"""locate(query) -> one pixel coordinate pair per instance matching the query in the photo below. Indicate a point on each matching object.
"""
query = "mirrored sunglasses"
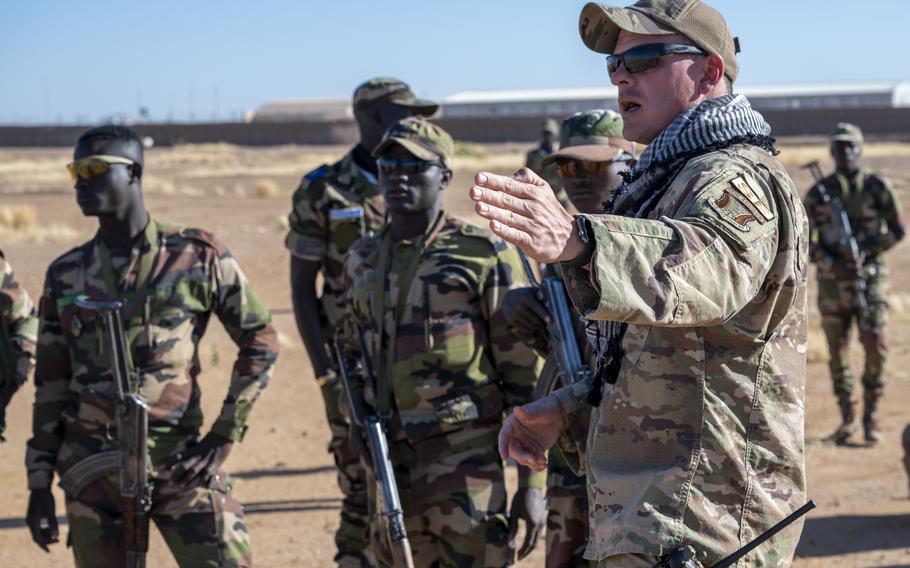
(95, 165)
(405, 165)
(648, 56)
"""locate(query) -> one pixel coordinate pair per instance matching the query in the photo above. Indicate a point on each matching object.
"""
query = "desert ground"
(282, 472)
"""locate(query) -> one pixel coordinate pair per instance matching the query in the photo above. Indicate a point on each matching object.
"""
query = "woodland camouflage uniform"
(451, 372)
(192, 276)
(17, 338)
(875, 219)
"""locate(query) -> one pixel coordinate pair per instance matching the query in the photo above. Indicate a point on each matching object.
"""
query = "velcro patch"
(733, 208)
(346, 213)
(753, 201)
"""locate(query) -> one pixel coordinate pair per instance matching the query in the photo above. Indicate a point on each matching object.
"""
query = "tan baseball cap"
(591, 135)
(600, 25)
(394, 91)
(421, 138)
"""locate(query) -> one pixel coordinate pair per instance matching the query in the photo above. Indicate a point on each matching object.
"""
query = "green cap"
(550, 125)
(420, 137)
(600, 25)
(844, 131)
(394, 91)
(591, 135)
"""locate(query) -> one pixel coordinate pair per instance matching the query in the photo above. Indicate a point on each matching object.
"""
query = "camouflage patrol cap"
(600, 25)
(550, 125)
(846, 132)
(394, 91)
(591, 135)
(420, 137)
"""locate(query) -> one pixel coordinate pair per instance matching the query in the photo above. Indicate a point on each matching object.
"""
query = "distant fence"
(884, 122)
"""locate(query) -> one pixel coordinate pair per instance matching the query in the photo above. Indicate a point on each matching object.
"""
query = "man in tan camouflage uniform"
(17, 337)
(874, 216)
(701, 266)
(427, 293)
(334, 206)
(592, 153)
(534, 160)
(172, 280)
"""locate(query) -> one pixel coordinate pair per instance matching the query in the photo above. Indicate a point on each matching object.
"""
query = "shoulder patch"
(743, 187)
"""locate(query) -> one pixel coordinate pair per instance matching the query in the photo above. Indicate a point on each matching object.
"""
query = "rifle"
(132, 434)
(844, 241)
(373, 428)
(685, 556)
(551, 291)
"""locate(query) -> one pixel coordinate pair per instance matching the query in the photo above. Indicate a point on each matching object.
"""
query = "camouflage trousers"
(352, 539)
(453, 495)
(202, 526)
(567, 516)
(837, 306)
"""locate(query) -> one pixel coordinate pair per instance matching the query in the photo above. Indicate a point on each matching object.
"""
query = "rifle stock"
(373, 429)
(132, 433)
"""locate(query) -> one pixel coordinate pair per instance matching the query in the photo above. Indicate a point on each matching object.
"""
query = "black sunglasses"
(405, 165)
(644, 57)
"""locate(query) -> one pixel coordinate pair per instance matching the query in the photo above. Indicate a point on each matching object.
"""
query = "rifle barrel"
(736, 556)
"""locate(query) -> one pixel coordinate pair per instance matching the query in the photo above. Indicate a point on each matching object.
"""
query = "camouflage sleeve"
(20, 319)
(696, 270)
(248, 322)
(52, 393)
(516, 364)
(308, 233)
(892, 217)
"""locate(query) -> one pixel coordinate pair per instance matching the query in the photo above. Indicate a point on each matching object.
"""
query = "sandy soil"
(282, 472)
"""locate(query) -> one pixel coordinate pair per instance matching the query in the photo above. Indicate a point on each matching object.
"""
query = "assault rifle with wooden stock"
(372, 426)
(131, 456)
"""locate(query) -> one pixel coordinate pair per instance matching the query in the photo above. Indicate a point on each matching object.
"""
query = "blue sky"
(68, 60)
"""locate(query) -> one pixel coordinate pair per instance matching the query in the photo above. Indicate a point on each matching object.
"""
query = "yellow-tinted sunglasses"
(569, 168)
(94, 165)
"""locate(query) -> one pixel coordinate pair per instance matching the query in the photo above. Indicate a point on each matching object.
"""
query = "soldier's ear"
(446, 178)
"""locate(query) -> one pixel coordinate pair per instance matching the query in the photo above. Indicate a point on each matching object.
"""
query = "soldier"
(534, 159)
(701, 264)
(17, 337)
(334, 206)
(173, 280)
(874, 216)
(427, 293)
(591, 156)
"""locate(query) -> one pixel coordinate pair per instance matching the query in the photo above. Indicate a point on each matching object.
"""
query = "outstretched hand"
(523, 210)
(530, 430)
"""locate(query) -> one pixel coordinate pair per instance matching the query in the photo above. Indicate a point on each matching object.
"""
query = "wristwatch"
(586, 236)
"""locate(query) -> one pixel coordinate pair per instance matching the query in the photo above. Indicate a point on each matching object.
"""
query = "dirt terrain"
(281, 471)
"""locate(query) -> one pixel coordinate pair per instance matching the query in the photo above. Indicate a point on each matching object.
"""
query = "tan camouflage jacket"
(455, 361)
(700, 440)
(193, 277)
(333, 207)
(875, 218)
(21, 324)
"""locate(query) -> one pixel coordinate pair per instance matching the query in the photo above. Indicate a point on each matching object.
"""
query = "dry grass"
(267, 189)
(799, 155)
(20, 223)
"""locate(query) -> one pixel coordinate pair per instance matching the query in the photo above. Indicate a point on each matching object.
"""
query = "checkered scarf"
(712, 124)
